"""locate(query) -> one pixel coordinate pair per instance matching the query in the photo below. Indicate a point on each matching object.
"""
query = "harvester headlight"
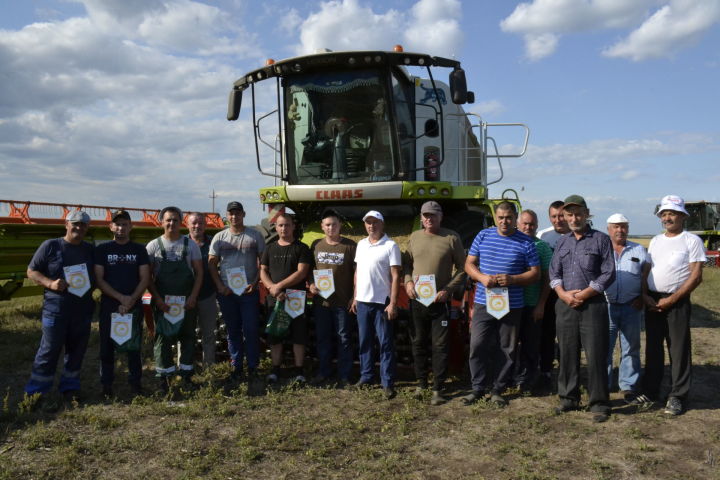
(249, 79)
(276, 196)
(262, 197)
(259, 75)
(368, 59)
(378, 58)
(433, 190)
(421, 191)
(351, 60)
(445, 192)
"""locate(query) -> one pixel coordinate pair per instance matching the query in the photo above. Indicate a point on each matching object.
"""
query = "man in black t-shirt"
(285, 265)
(64, 266)
(122, 271)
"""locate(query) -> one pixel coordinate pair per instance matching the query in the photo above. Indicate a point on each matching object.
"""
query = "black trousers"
(493, 349)
(547, 334)
(587, 325)
(530, 331)
(672, 327)
(430, 327)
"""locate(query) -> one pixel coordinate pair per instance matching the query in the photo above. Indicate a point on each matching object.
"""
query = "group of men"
(571, 282)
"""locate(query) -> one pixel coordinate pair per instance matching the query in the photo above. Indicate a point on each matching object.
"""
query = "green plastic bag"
(278, 323)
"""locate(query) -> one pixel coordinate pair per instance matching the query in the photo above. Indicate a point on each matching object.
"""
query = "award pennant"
(497, 301)
(425, 289)
(294, 302)
(325, 282)
(77, 279)
(237, 280)
(121, 327)
(177, 308)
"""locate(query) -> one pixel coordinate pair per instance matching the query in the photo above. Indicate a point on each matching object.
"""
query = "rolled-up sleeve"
(556, 267)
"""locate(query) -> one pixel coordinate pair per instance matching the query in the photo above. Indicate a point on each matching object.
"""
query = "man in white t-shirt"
(377, 281)
(677, 258)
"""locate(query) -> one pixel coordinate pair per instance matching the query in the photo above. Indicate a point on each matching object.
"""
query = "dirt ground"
(331, 433)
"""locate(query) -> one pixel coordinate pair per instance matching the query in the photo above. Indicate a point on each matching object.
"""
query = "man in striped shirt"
(502, 260)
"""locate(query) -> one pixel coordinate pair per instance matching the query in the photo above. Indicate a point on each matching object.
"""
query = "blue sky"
(123, 103)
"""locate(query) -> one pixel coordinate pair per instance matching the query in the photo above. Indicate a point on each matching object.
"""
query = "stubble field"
(312, 432)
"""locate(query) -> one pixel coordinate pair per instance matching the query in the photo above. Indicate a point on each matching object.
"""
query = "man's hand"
(391, 311)
(637, 304)
(161, 305)
(503, 280)
(58, 285)
(568, 296)
(490, 281)
(313, 289)
(538, 313)
(665, 303)
(275, 290)
(126, 304)
(250, 288)
(442, 296)
(650, 303)
(410, 290)
(353, 306)
(191, 302)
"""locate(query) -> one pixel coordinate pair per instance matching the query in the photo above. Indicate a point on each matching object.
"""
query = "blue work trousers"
(625, 321)
(71, 332)
(332, 331)
(241, 315)
(372, 323)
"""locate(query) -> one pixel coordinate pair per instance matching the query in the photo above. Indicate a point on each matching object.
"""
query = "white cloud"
(669, 30)
(489, 108)
(676, 25)
(431, 26)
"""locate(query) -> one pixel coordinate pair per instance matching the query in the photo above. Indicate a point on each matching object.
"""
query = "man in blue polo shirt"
(502, 260)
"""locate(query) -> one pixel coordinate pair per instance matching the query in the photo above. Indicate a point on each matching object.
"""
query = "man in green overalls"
(177, 274)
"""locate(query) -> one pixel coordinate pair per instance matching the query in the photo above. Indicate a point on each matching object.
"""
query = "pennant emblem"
(325, 282)
(294, 302)
(498, 301)
(425, 289)
(77, 279)
(237, 280)
(121, 327)
(177, 308)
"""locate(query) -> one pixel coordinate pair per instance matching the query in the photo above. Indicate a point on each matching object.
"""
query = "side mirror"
(458, 86)
(234, 103)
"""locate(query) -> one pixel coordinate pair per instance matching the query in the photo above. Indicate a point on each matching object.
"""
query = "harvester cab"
(355, 131)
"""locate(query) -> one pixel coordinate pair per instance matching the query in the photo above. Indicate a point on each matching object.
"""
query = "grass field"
(329, 433)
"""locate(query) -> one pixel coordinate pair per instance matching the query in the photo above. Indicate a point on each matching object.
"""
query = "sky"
(123, 103)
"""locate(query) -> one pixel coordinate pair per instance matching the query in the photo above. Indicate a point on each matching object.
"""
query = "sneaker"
(300, 380)
(437, 398)
(418, 395)
(632, 398)
(362, 384)
(389, 392)
(472, 397)
(272, 378)
(566, 406)
(674, 406)
(498, 400)
(601, 417)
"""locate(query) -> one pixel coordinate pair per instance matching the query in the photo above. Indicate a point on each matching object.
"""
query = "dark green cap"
(575, 200)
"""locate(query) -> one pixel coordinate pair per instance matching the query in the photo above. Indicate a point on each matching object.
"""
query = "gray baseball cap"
(78, 216)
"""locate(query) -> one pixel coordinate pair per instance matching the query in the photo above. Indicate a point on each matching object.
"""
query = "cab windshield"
(338, 128)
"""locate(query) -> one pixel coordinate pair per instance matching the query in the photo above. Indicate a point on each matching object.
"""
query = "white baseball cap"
(672, 202)
(617, 218)
(374, 214)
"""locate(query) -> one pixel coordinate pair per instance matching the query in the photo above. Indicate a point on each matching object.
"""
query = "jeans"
(69, 331)
(493, 348)
(625, 320)
(372, 323)
(241, 314)
(332, 329)
(430, 324)
(587, 324)
(107, 351)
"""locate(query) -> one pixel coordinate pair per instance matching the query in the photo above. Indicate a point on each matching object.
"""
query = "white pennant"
(325, 282)
(77, 279)
(121, 327)
(237, 280)
(425, 289)
(177, 308)
(497, 301)
(294, 302)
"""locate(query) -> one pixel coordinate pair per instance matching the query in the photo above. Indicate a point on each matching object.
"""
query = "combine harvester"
(25, 225)
(355, 131)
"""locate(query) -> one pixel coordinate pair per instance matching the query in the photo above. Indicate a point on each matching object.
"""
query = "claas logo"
(339, 194)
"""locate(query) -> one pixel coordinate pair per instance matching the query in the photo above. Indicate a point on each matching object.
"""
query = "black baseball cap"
(235, 206)
(120, 214)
